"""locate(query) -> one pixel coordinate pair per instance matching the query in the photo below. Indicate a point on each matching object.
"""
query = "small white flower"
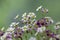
(24, 15)
(38, 8)
(58, 36)
(10, 29)
(32, 15)
(28, 15)
(32, 38)
(24, 19)
(49, 19)
(13, 24)
(44, 10)
(57, 26)
(41, 30)
(24, 28)
(16, 16)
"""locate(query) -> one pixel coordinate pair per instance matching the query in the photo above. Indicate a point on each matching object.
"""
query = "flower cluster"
(37, 29)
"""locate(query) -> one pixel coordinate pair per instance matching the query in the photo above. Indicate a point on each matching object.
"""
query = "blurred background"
(10, 8)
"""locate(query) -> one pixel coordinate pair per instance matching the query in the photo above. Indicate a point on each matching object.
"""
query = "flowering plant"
(33, 29)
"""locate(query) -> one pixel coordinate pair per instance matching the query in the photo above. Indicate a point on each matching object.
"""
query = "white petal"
(24, 14)
(16, 17)
(39, 30)
(48, 17)
(38, 8)
(43, 28)
(56, 27)
(51, 39)
(57, 23)
(36, 33)
(12, 24)
(58, 36)
(10, 29)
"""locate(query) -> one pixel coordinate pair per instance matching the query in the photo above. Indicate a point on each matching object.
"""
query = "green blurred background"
(10, 8)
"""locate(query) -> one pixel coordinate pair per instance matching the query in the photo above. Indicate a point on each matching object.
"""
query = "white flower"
(49, 19)
(57, 26)
(16, 16)
(41, 30)
(24, 28)
(32, 15)
(38, 8)
(10, 29)
(58, 36)
(44, 10)
(13, 24)
(32, 38)
(24, 15)
(24, 19)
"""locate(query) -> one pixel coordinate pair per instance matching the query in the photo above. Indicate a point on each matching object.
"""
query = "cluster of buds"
(28, 18)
